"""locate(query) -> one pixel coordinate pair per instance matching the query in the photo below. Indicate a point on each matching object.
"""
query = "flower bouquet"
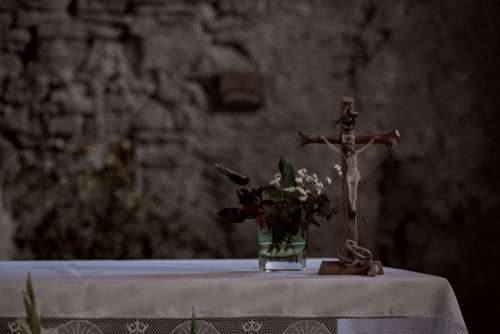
(283, 211)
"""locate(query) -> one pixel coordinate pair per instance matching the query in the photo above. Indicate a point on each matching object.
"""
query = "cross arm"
(390, 138)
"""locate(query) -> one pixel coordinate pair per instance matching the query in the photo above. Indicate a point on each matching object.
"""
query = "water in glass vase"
(289, 256)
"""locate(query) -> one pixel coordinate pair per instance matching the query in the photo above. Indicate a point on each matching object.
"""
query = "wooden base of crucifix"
(353, 259)
(339, 268)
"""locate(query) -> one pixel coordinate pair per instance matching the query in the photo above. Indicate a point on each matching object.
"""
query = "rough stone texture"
(110, 121)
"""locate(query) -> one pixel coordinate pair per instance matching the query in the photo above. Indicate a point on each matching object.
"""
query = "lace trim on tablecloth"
(259, 325)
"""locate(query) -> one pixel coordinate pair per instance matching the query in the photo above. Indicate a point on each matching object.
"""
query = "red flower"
(261, 220)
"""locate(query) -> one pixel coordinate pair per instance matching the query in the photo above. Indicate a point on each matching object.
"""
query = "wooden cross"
(351, 176)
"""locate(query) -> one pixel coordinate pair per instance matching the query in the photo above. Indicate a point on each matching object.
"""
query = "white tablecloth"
(230, 289)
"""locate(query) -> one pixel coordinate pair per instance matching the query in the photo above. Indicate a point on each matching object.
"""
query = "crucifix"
(353, 259)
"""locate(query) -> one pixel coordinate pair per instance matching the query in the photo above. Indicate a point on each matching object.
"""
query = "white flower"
(301, 191)
(276, 180)
(328, 180)
(298, 180)
(275, 183)
(319, 185)
(302, 172)
(290, 189)
(315, 177)
(303, 198)
(338, 169)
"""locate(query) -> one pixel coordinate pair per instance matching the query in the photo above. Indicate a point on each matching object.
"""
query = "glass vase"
(286, 256)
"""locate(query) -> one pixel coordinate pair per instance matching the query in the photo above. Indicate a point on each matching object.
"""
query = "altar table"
(228, 297)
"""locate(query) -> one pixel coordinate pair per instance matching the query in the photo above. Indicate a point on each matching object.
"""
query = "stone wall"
(113, 112)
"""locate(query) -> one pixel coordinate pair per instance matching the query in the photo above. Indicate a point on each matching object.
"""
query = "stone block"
(5, 22)
(15, 39)
(101, 6)
(10, 66)
(169, 90)
(66, 126)
(175, 52)
(8, 5)
(61, 58)
(61, 27)
(240, 90)
(7, 247)
(26, 19)
(228, 59)
(242, 7)
(155, 117)
(104, 32)
(231, 80)
(159, 137)
(73, 99)
(15, 119)
(177, 15)
(235, 31)
(105, 18)
(46, 5)
(158, 156)
(22, 129)
(206, 13)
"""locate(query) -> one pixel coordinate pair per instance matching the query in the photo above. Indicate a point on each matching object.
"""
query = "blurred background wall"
(113, 112)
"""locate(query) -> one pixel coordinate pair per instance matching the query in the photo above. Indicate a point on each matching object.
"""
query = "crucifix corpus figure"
(353, 259)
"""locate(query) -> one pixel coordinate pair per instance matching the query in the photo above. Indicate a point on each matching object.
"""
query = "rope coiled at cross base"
(353, 255)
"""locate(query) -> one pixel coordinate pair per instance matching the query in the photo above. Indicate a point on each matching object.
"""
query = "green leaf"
(271, 212)
(24, 327)
(29, 312)
(32, 308)
(36, 317)
(193, 322)
(287, 174)
(232, 215)
(29, 288)
(237, 178)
